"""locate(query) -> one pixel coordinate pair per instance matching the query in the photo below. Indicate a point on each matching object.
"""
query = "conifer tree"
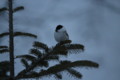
(6, 66)
(40, 55)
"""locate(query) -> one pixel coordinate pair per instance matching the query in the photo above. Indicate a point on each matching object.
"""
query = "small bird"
(61, 34)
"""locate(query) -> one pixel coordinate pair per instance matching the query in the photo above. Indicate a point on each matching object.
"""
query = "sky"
(93, 23)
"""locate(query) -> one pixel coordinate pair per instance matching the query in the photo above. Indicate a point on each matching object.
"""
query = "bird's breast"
(60, 36)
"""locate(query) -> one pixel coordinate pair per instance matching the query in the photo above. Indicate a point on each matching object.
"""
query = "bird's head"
(60, 28)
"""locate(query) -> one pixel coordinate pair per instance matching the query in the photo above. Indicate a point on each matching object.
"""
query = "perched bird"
(61, 34)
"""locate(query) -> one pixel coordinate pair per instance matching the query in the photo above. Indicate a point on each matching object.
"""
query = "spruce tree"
(40, 55)
(8, 66)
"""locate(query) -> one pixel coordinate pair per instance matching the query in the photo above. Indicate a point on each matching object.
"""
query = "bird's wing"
(66, 33)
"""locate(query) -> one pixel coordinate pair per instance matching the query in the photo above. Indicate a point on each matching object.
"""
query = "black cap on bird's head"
(58, 27)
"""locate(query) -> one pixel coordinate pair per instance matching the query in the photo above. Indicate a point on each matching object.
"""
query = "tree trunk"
(11, 39)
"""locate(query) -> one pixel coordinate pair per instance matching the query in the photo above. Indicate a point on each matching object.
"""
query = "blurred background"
(93, 23)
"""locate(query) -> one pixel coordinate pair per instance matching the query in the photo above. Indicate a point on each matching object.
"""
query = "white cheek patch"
(62, 29)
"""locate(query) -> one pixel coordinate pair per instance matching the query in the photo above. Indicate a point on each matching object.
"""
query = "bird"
(60, 34)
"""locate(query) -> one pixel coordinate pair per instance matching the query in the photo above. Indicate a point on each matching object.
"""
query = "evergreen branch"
(3, 47)
(52, 54)
(74, 73)
(58, 68)
(81, 63)
(62, 49)
(4, 68)
(5, 65)
(36, 52)
(18, 8)
(3, 51)
(27, 57)
(65, 62)
(58, 76)
(52, 57)
(75, 46)
(59, 50)
(64, 42)
(32, 73)
(43, 64)
(18, 34)
(31, 67)
(40, 45)
(25, 63)
(3, 9)
(24, 34)
(4, 34)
